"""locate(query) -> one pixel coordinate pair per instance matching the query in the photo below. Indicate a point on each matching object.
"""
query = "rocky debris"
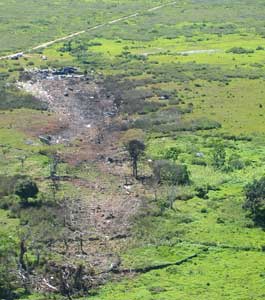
(41, 74)
(65, 71)
(104, 215)
(78, 100)
(45, 139)
(199, 154)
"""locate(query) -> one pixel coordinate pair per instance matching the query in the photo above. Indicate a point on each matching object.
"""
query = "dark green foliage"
(130, 96)
(255, 200)
(9, 278)
(235, 162)
(203, 190)
(168, 172)
(172, 153)
(149, 107)
(199, 161)
(26, 188)
(199, 124)
(7, 188)
(7, 184)
(11, 98)
(219, 156)
(166, 121)
(135, 149)
(240, 50)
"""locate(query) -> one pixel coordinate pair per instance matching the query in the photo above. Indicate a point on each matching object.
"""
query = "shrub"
(172, 153)
(240, 50)
(202, 191)
(7, 184)
(9, 274)
(255, 200)
(7, 202)
(11, 98)
(219, 156)
(168, 172)
(199, 161)
(149, 107)
(235, 162)
(26, 188)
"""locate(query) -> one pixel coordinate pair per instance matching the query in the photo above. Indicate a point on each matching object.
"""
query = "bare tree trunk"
(23, 250)
(65, 288)
(135, 170)
(81, 245)
(78, 284)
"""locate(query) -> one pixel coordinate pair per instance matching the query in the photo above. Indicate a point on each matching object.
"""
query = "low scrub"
(240, 50)
(168, 172)
(11, 98)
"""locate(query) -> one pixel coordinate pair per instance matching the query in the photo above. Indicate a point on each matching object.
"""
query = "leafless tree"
(54, 177)
(77, 223)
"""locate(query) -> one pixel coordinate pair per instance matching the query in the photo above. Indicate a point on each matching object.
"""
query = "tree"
(26, 188)
(219, 156)
(135, 149)
(168, 172)
(169, 175)
(77, 223)
(171, 196)
(55, 160)
(255, 200)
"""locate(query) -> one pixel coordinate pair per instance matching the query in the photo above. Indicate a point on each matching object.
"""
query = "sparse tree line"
(51, 229)
(166, 172)
(49, 224)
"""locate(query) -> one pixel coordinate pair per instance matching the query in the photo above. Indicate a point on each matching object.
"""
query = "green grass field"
(183, 87)
(29, 23)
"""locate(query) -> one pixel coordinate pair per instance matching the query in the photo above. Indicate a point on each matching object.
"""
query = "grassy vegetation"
(215, 274)
(186, 78)
(41, 22)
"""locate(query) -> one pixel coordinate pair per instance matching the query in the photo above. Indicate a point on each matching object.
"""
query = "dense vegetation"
(186, 146)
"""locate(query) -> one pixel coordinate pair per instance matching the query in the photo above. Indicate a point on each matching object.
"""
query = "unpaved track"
(67, 37)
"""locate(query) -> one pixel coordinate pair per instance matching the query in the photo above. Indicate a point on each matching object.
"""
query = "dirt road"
(72, 35)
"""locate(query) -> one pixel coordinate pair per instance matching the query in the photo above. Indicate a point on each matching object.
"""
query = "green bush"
(255, 200)
(172, 153)
(168, 172)
(218, 156)
(7, 202)
(240, 50)
(7, 184)
(9, 274)
(235, 162)
(26, 188)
